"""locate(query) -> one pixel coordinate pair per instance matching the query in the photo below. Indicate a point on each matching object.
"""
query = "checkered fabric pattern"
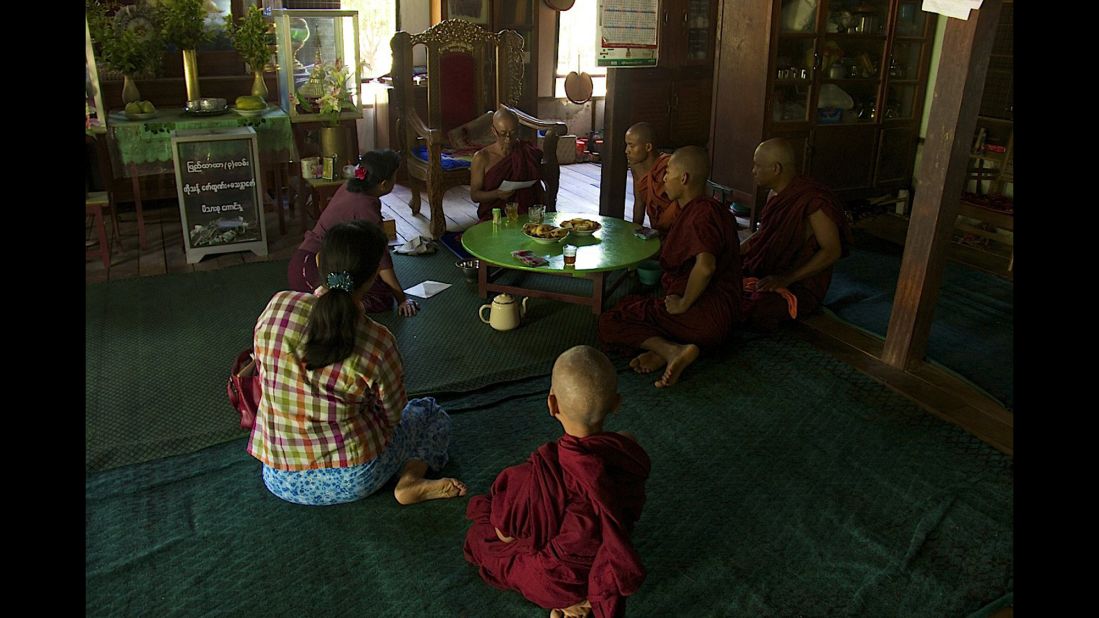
(335, 416)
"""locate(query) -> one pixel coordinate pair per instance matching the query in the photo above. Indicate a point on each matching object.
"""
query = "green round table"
(614, 247)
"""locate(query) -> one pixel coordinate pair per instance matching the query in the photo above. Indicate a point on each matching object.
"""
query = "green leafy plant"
(127, 46)
(182, 23)
(250, 38)
(326, 92)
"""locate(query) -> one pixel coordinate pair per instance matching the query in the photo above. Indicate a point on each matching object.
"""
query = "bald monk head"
(505, 125)
(639, 143)
(687, 172)
(774, 164)
(583, 391)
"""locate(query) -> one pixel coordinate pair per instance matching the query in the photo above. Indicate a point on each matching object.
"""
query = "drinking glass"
(536, 213)
(569, 252)
(512, 209)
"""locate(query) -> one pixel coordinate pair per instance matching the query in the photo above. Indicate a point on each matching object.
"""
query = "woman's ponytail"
(349, 259)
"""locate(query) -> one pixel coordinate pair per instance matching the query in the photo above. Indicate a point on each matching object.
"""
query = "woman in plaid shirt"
(334, 423)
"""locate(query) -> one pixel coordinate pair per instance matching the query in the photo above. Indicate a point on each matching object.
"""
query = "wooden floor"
(579, 193)
(941, 394)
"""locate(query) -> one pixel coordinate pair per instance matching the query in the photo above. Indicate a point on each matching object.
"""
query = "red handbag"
(244, 388)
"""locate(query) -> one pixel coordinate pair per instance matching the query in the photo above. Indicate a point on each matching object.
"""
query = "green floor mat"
(784, 483)
(158, 349)
(973, 328)
(157, 355)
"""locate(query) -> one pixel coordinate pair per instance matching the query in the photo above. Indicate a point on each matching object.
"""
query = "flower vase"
(334, 142)
(259, 87)
(190, 74)
(129, 90)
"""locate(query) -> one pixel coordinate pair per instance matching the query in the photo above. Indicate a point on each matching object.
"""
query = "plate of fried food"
(544, 233)
(581, 227)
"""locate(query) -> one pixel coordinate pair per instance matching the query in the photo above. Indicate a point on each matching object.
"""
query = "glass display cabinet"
(310, 44)
(844, 81)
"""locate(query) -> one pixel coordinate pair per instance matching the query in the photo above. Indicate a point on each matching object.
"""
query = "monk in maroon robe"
(701, 279)
(508, 158)
(802, 232)
(648, 167)
(557, 528)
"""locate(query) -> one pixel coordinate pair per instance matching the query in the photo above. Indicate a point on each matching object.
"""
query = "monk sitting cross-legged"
(509, 158)
(701, 263)
(802, 232)
(557, 527)
(648, 168)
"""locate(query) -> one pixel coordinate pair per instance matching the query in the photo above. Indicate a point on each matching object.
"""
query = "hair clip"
(340, 281)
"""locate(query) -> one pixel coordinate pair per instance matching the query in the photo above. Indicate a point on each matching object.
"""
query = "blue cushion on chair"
(450, 162)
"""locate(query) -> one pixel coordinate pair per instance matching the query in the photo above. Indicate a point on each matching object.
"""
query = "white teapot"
(505, 313)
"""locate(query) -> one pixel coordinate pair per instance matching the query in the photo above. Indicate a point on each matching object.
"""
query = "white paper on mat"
(427, 289)
(515, 185)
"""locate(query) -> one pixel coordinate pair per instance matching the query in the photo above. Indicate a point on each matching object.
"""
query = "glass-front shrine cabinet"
(318, 64)
(832, 59)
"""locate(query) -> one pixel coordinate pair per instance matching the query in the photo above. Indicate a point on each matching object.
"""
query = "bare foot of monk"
(580, 610)
(647, 362)
(424, 490)
(685, 355)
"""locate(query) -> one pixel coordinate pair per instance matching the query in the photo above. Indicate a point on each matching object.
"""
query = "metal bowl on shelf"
(206, 105)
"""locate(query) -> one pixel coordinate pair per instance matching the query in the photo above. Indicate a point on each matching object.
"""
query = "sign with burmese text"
(220, 192)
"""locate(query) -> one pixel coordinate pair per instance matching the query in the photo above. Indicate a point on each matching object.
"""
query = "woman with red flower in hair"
(358, 198)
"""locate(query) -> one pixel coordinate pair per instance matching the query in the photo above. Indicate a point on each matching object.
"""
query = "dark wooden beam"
(612, 183)
(963, 64)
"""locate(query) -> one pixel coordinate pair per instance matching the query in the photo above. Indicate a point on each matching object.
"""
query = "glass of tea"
(569, 252)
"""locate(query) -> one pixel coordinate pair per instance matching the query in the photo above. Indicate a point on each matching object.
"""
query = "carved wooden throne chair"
(470, 73)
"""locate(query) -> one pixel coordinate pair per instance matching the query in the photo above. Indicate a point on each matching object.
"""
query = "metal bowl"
(206, 105)
(469, 268)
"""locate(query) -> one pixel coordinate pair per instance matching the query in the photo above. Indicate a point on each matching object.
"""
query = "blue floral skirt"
(423, 434)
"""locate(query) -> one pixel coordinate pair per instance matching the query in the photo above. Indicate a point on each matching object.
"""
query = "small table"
(322, 191)
(144, 147)
(614, 247)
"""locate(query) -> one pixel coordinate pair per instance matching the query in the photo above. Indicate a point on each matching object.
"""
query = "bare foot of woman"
(421, 490)
(647, 362)
(412, 487)
(580, 610)
(685, 355)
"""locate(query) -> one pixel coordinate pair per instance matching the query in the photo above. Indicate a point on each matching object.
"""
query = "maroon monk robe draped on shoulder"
(571, 508)
(781, 246)
(524, 162)
(702, 226)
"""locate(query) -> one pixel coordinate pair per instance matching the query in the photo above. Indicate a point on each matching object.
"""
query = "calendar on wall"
(627, 33)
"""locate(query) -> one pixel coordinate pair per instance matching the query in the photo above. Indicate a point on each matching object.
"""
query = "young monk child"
(556, 528)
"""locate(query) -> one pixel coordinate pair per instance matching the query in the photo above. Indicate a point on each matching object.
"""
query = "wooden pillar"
(616, 118)
(951, 122)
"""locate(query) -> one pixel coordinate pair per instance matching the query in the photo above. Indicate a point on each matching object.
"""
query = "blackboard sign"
(220, 193)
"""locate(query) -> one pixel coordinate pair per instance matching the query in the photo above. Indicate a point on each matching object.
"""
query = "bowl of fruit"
(140, 110)
(249, 105)
(544, 233)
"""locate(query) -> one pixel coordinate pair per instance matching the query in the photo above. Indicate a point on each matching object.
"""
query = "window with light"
(576, 48)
